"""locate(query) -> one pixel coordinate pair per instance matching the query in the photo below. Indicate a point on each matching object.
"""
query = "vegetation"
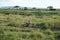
(51, 8)
(16, 24)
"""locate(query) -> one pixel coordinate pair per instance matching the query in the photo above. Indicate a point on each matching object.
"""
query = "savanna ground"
(29, 24)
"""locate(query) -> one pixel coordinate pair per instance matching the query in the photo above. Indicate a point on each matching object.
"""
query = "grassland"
(29, 24)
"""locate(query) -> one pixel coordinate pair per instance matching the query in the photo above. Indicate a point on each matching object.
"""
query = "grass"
(29, 24)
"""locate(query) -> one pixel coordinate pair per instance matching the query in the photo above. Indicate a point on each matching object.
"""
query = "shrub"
(7, 13)
(11, 25)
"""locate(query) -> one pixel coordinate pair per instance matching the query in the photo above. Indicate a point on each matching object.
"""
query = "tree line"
(26, 8)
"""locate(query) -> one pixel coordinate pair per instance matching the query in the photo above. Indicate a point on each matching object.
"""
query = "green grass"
(29, 24)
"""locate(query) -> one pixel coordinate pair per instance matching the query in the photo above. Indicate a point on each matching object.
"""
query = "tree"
(50, 7)
(25, 8)
(33, 8)
(17, 7)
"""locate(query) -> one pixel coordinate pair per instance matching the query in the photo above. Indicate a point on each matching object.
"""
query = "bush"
(53, 9)
(7, 13)
(11, 25)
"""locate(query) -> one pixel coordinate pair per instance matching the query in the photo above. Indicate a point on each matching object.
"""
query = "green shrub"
(7, 13)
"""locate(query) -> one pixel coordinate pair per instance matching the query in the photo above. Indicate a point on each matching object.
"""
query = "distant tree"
(17, 7)
(25, 8)
(51, 8)
(33, 8)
